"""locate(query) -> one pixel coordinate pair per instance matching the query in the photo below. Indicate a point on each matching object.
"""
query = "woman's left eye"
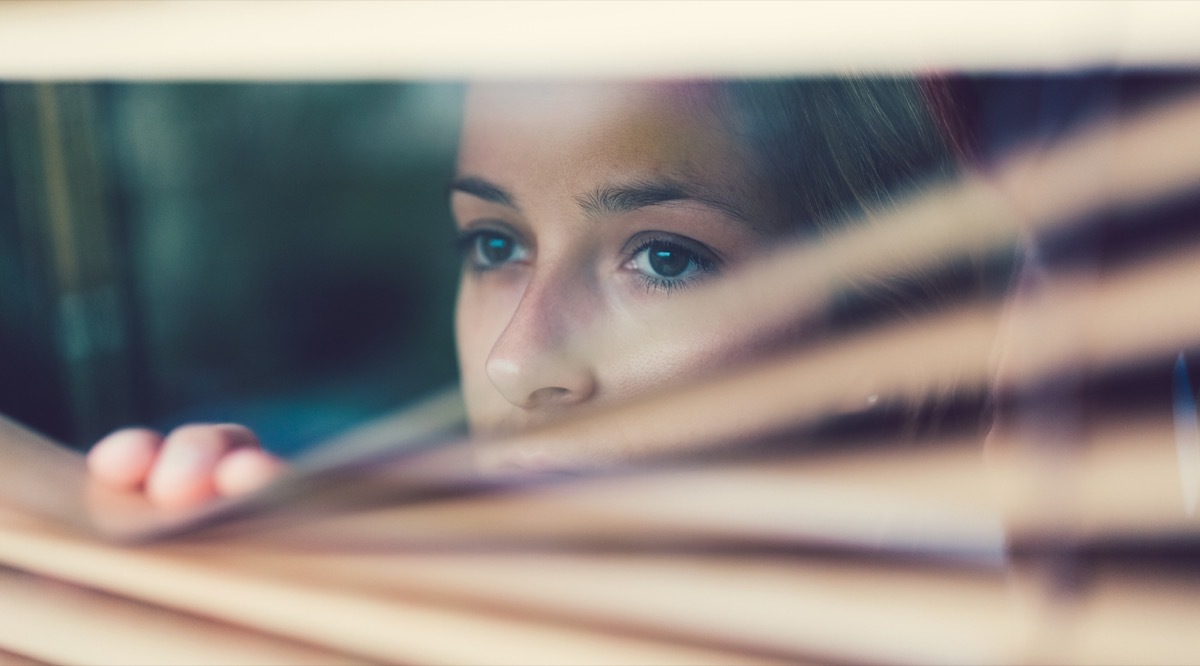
(667, 264)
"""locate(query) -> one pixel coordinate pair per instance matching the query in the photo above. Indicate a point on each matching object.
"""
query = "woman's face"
(581, 209)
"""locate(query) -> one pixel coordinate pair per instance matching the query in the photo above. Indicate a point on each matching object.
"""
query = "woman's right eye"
(487, 249)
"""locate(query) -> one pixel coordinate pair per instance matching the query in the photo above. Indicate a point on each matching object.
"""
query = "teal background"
(279, 255)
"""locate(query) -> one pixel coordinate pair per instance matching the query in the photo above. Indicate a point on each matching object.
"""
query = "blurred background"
(279, 255)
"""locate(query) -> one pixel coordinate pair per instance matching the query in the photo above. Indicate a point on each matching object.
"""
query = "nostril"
(552, 395)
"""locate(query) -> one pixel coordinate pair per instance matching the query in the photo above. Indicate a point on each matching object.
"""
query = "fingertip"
(182, 476)
(245, 471)
(124, 458)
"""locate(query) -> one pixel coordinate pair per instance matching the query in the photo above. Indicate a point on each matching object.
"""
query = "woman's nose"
(536, 363)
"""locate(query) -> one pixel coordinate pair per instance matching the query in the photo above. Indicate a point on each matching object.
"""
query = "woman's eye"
(485, 250)
(667, 264)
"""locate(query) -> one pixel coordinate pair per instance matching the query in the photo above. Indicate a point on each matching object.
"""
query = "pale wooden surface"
(321, 39)
(59, 623)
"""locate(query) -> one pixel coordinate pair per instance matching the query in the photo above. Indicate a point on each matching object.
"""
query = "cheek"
(672, 356)
(480, 317)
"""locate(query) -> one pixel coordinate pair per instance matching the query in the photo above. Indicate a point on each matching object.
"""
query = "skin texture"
(524, 325)
(564, 195)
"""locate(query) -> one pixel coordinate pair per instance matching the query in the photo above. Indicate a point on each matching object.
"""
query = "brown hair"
(829, 149)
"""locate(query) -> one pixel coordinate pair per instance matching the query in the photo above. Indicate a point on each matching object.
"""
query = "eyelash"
(700, 261)
(468, 246)
(703, 260)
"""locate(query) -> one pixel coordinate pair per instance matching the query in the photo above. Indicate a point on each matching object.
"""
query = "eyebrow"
(613, 199)
(617, 199)
(483, 189)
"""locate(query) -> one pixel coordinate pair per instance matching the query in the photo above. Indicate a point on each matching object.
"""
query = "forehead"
(576, 133)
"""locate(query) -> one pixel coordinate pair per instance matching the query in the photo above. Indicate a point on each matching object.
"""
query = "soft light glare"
(141, 39)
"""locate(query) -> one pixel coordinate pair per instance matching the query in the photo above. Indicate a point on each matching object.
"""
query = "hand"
(192, 465)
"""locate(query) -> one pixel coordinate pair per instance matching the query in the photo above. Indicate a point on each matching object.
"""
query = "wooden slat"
(59, 623)
(378, 629)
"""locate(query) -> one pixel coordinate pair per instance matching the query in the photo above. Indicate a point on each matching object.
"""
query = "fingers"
(192, 465)
(184, 473)
(124, 458)
(246, 470)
